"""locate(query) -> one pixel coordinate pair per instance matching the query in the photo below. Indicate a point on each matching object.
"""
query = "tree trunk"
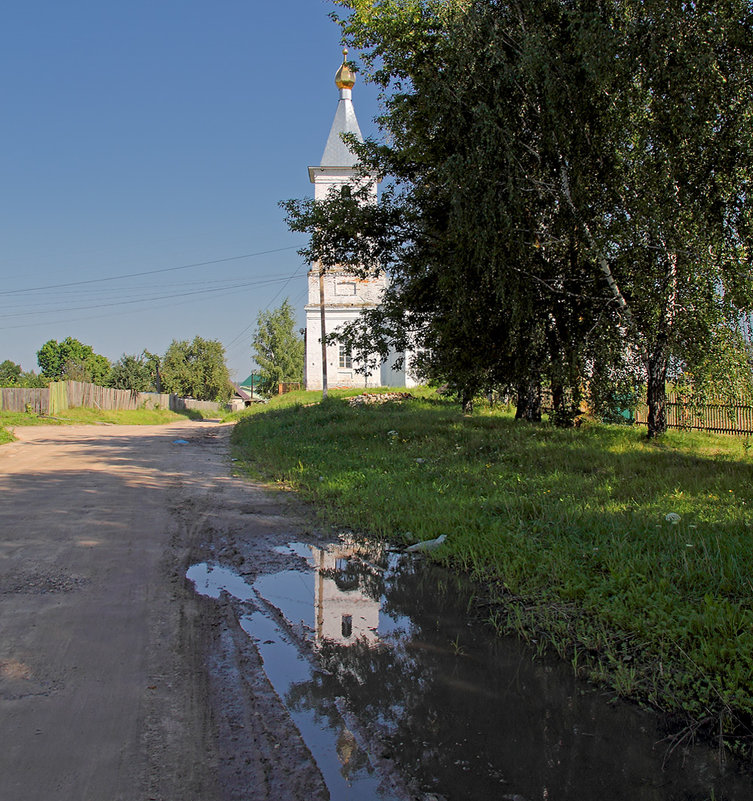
(560, 411)
(529, 400)
(656, 396)
(466, 401)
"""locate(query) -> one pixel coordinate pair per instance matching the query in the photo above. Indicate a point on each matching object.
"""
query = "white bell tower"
(337, 296)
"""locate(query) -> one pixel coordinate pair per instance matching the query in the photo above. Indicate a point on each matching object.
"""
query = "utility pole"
(324, 332)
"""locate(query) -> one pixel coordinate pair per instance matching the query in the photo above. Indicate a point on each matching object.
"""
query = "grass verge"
(83, 416)
(633, 559)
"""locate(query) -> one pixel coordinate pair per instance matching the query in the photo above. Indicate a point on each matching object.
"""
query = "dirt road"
(117, 681)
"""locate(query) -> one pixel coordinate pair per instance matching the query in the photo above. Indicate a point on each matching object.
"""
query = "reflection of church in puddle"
(343, 613)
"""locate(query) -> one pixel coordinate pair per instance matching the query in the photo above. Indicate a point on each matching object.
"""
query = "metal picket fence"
(719, 417)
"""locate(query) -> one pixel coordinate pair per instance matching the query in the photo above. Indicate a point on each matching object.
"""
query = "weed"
(457, 648)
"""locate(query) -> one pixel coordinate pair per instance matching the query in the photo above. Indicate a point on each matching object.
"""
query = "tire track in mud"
(258, 753)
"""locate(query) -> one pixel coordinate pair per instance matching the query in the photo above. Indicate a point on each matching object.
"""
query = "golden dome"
(345, 77)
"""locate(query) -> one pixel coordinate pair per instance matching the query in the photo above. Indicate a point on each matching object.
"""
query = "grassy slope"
(566, 529)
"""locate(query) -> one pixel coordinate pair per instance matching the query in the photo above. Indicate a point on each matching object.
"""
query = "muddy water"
(397, 696)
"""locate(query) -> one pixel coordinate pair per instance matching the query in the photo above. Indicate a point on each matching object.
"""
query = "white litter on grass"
(427, 545)
(673, 518)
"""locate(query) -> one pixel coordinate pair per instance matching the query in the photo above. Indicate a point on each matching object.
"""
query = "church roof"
(336, 152)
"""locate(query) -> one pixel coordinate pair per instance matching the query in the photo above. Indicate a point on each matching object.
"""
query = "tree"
(196, 369)
(154, 363)
(571, 187)
(676, 231)
(459, 230)
(71, 360)
(278, 350)
(31, 379)
(132, 372)
(10, 373)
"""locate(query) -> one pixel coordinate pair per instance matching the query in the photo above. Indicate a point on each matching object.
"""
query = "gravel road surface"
(118, 682)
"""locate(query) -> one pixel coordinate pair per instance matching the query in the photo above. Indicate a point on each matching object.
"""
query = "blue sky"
(143, 137)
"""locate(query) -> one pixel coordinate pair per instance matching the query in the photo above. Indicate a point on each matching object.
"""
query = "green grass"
(565, 529)
(129, 417)
(79, 416)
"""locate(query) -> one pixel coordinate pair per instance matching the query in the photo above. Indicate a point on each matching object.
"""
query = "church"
(336, 296)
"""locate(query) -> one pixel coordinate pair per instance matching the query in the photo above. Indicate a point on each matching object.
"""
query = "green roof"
(247, 382)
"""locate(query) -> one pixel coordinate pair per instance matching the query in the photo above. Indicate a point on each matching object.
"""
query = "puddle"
(463, 714)
(210, 580)
(343, 762)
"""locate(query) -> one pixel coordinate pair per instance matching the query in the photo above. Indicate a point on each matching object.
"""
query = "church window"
(346, 360)
(345, 288)
(346, 626)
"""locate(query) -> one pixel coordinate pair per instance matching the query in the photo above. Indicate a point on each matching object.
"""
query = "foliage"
(568, 531)
(132, 372)
(278, 350)
(196, 369)
(10, 373)
(568, 183)
(153, 362)
(676, 222)
(32, 380)
(71, 360)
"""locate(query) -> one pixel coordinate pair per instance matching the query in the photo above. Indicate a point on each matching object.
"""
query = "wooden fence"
(61, 395)
(722, 418)
(19, 399)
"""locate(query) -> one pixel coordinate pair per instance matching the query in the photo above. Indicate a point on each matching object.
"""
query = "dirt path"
(118, 681)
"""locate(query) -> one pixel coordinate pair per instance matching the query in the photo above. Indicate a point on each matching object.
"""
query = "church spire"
(336, 152)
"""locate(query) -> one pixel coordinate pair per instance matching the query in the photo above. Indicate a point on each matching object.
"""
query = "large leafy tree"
(479, 253)
(570, 188)
(132, 372)
(670, 227)
(196, 369)
(72, 360)
(277, 347)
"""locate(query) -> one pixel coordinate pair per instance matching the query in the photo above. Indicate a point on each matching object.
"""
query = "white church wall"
(343, 616)
(327, 180)
(344, 289)
(337, 376)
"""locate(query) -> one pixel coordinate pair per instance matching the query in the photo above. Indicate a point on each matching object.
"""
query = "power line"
(157, 297)
(145, 272)
(56, 300)
(33, 324)
(248, 327)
